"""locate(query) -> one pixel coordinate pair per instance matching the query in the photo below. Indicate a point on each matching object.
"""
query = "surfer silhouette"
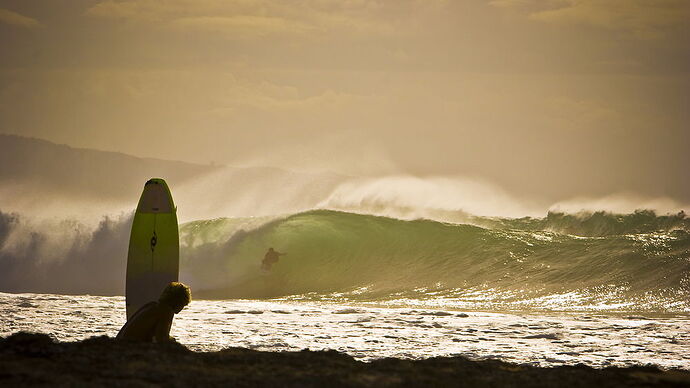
(271, 257)
(151, 323)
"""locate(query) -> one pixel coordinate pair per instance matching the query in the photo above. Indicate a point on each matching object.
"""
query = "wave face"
(599, 261)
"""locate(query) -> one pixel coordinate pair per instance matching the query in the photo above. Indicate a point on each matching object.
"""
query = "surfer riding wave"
(271, 257)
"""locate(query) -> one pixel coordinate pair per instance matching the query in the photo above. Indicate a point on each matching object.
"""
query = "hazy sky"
(589, 97)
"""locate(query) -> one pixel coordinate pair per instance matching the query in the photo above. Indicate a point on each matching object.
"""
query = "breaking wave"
(588, 261)
(638, 261)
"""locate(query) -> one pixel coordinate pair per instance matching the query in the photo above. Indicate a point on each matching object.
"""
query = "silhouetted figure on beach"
(271, 257)
(151, 323)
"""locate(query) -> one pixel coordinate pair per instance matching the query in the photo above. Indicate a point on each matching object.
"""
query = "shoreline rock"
(28, 359)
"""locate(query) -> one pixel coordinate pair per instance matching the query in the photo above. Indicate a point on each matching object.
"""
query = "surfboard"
(153, 259)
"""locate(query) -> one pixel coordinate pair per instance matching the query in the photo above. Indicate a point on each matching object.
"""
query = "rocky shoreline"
(36, 360)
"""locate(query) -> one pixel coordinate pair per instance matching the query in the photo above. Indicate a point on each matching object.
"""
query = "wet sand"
(37, 360)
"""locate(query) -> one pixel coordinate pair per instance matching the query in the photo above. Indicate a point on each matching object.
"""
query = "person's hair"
(176, 294)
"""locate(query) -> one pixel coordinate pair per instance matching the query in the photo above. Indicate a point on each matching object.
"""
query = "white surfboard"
(153, 259)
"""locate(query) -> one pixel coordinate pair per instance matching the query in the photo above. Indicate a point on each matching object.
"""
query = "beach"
(36, 360)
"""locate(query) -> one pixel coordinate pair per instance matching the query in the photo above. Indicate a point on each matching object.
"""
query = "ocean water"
(368, 332)
(597, 288)
(600, 262)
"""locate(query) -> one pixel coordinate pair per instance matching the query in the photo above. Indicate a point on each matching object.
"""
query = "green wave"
(367, 257)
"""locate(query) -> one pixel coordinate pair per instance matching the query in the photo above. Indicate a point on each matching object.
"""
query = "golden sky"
(586, 96)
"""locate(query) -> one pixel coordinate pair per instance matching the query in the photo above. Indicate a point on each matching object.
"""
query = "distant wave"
(639, 260)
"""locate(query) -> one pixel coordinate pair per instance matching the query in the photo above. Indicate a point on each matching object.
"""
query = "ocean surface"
(368, 332)
(594, 288)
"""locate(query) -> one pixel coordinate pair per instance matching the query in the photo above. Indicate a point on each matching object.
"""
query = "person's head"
(270, 249)
(176, 295)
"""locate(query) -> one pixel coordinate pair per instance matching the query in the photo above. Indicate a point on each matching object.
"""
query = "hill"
(33, 165)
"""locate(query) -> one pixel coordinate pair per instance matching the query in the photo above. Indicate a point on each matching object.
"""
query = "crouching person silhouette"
(152, 322)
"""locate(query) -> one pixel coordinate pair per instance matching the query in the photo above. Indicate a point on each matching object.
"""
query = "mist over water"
(453, 241)
(63, 256)
(428, 255)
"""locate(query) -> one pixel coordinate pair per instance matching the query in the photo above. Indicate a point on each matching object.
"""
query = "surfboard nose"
(156, 197)
(155, 181)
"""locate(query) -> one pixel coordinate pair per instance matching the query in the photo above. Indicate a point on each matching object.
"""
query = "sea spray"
(63, 255)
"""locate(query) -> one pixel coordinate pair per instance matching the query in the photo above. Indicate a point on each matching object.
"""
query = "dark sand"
(35, 359)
